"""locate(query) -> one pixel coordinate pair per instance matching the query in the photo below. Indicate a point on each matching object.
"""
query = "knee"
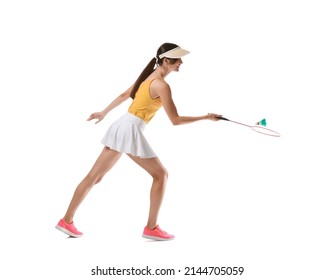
(161, 174)
(93, 179)
(98, 179)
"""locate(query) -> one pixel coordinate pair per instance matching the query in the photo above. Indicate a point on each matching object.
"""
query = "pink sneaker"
(157, 234)
(69, 229)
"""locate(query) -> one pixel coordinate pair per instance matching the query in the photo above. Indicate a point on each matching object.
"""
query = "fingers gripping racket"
(257, 128)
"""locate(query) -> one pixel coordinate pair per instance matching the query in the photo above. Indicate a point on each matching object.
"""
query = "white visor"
(177, 52)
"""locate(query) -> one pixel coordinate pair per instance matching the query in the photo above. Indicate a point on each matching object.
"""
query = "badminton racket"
(257, 128)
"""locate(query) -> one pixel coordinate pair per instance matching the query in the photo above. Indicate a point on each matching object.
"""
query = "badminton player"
(149, 93)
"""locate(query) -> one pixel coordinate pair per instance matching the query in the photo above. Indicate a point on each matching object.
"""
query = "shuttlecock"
(262, 122)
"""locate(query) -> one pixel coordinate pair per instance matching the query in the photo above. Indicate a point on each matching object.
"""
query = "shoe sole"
(156, 238)
(67, 231)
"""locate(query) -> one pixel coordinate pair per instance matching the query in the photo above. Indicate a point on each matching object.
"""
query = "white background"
(234, 197)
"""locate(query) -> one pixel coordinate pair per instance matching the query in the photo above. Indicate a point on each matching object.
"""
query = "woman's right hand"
(97, 115)
(213, 117)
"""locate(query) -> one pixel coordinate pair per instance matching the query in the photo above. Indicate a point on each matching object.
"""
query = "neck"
(162, 72)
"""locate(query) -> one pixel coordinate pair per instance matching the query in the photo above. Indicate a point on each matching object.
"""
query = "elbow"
(125, 95)
(176, 121)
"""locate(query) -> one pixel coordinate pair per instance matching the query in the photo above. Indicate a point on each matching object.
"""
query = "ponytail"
(145, 74)
(151, 66)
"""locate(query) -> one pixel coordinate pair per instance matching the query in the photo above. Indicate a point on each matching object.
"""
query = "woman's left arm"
(116, 102)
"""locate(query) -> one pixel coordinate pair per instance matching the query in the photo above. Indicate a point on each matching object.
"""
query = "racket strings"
(264, 130)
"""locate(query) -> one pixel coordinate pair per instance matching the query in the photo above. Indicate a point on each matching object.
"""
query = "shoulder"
(159, 83)
(159, 87)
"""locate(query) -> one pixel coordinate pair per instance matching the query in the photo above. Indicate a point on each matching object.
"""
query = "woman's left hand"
(97, 115)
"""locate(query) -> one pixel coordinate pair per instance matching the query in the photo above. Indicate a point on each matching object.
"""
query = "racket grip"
(222, 118)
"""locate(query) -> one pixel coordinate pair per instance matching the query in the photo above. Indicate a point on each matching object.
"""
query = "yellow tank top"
(143, 105)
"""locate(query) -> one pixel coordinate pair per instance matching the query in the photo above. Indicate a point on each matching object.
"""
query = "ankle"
(67, 220)
(151, 226)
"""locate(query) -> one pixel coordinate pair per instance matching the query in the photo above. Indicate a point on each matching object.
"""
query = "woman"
(149, 93)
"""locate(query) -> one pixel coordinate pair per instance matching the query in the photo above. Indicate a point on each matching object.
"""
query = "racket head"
(265, 131)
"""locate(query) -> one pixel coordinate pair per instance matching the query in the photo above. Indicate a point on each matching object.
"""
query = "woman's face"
(174, 64)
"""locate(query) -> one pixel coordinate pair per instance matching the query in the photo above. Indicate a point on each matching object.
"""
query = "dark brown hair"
(151, 66)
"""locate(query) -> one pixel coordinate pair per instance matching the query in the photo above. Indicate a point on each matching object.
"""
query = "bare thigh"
(103, 164)
(152, 165)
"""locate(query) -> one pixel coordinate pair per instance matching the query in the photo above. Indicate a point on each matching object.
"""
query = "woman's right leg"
(103, 164)
(159, 175)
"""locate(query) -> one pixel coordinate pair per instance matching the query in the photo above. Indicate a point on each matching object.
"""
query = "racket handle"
(222, 118)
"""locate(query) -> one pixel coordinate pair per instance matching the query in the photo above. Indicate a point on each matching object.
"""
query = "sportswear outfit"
(126, 135)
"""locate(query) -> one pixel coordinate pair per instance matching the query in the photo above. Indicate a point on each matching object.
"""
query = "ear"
(166, 60)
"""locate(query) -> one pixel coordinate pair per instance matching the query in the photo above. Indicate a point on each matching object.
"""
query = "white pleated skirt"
(126, 136)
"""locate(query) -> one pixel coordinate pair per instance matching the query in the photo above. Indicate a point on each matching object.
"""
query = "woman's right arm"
(116, 102)
(163, 90)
